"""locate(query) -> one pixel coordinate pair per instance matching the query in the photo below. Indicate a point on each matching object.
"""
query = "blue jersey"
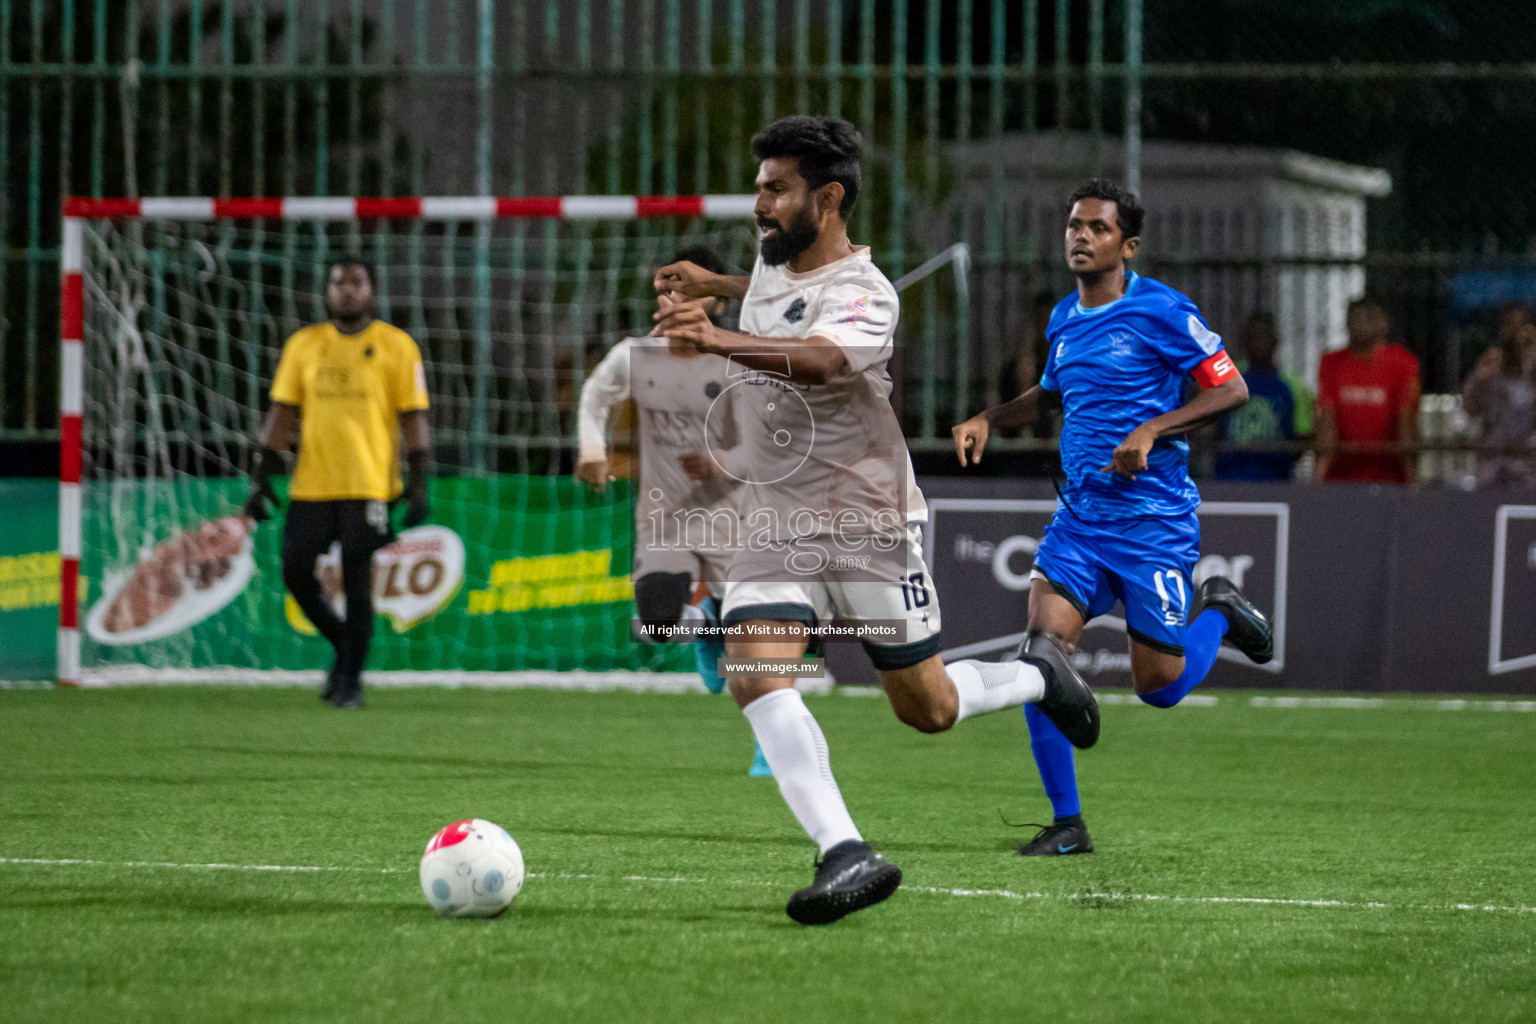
(1117, 366)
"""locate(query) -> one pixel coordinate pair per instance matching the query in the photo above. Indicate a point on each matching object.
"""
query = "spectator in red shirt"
(1368, 395)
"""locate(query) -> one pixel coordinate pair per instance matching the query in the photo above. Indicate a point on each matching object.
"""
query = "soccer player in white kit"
(685, 508)
(831, 514)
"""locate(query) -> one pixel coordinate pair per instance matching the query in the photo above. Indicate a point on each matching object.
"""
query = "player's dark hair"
(361, 264)
(1261, 320)
(703, 256)
(1366, 301)
(826, 149)
(1129, 214)
(1516, 310)
(1507, 334)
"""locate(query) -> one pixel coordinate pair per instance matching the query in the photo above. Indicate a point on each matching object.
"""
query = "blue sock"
(1053, 756)
(1201, 642)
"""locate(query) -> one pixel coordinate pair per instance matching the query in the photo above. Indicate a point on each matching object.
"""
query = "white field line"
(591, 682)
(1373, 703)
(1004, 894)
(1194, 700)
(686, 682)
(83, 862)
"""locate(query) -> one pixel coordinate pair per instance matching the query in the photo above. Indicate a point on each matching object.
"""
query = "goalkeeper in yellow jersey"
(357, 386)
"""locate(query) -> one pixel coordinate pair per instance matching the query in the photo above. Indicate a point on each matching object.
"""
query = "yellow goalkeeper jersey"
(350, 390)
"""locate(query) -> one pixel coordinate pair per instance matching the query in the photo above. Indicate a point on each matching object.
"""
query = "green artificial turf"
(660, 870)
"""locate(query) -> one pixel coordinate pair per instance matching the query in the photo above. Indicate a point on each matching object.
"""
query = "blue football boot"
(759, 769)
(707, 651)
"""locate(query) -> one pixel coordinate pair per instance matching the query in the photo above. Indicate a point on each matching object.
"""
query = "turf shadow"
(418, 760)
(608, 832)
(193, 777)
(723, 914)
(214, 903)
(895, 848)
(799, 842)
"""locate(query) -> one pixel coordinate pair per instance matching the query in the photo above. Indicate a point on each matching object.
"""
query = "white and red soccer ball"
(471, 869)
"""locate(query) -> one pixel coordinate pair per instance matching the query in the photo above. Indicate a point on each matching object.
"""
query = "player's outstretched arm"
(606, 387)
(695, 282)
(276, 437)
(417, 435)
(813, 360)
(971, 436)
(1130, 457)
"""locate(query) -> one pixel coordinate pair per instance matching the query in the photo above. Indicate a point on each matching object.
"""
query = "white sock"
(986, 686)
(797, 752)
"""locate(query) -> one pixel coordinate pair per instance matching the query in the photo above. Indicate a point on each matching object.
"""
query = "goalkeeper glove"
(417, 509)
(258, 505)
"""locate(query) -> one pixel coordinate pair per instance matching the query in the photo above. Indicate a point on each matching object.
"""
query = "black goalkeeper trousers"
(309, 530)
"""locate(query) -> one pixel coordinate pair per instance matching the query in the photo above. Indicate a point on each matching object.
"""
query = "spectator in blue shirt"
(1279, 411)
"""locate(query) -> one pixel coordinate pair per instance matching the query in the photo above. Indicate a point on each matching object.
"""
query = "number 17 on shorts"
(1174, 594)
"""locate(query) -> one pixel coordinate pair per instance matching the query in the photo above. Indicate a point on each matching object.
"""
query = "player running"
(1125, 527)
(674, 386)
(830, 509)
(360, 386)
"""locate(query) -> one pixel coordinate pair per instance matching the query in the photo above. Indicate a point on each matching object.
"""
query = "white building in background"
(1237, 228)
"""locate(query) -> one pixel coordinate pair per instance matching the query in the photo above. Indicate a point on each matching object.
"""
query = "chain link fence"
(1298, 151)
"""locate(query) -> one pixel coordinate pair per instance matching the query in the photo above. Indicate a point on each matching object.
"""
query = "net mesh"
(184, 326)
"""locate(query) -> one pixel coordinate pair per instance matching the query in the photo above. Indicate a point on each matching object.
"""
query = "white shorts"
(708, 567)
(899, 594)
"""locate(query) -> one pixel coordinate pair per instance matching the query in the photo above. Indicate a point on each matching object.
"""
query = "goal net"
(181, 313)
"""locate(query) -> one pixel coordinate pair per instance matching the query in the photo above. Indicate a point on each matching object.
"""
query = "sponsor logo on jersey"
(1208, 339)
(337, 382)
(1362, 394)
(858, 309)
(767, 378)
(796, 311)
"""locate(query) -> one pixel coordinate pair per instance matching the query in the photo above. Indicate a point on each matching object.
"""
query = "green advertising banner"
(513, 573)
(29, 578)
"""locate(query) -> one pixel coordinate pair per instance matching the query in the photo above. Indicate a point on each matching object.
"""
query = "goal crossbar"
(412, 207)
(78, 209)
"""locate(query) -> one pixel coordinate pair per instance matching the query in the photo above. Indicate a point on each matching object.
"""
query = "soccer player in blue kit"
(1125, 528)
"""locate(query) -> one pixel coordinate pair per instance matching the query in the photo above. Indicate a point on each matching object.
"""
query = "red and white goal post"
(78, 213)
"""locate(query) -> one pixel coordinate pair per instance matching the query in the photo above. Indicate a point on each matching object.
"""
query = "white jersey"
(837, 445)
(680, 411)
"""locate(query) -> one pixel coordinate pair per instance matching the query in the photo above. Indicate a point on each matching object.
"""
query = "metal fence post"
(480, 409)
(1133, 96)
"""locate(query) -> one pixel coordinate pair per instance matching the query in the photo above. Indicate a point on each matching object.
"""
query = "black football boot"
(1247, 628)
(849, 877)
(1061, 838)
(1068, 702)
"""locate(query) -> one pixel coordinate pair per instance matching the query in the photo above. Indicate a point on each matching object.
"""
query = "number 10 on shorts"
(914, 591)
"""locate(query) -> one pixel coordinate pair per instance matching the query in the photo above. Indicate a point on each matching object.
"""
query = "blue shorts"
(1145, 563)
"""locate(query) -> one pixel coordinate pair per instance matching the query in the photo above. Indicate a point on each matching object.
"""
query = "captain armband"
(1216, 370)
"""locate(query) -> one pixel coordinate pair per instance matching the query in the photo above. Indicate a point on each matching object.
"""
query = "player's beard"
(361, 315)
(789, 240)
